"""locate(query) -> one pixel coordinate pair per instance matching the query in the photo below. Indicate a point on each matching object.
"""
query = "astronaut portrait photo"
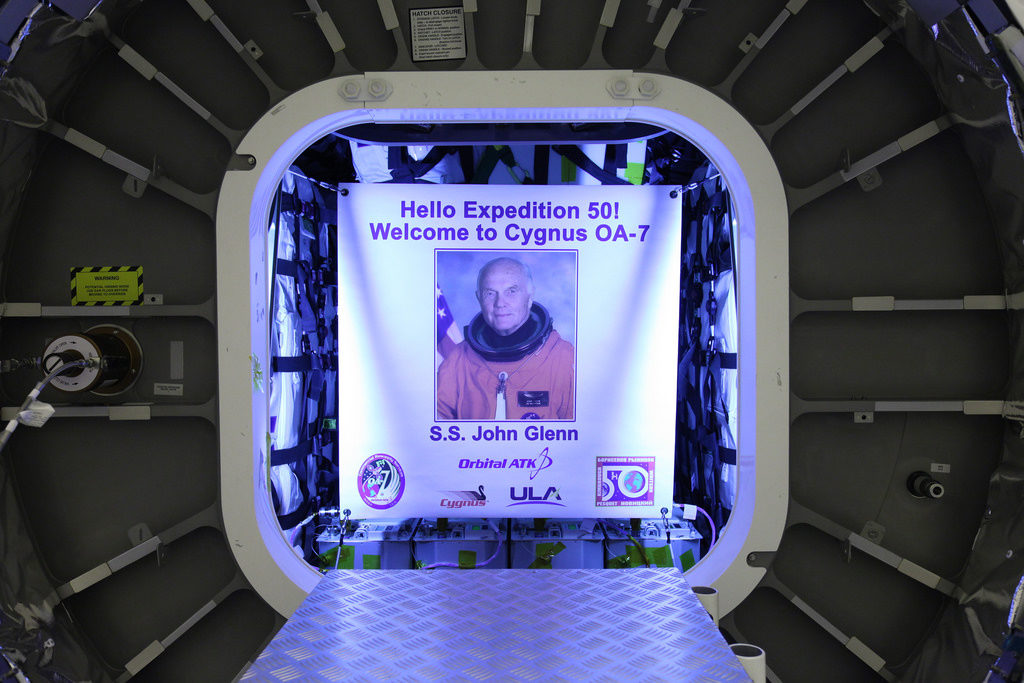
(505, 335)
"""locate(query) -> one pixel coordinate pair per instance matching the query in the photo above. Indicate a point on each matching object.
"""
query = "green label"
(371, 561)
(545, 551)
(658, 557)
(635, 172)
(328, 558)
(686, 560)
(568, 171)
(467, 559)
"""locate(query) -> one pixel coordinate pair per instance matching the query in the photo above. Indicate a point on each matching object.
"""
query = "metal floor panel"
(499, 625)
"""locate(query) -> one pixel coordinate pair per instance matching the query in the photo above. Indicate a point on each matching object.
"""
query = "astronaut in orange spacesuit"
(512, 364)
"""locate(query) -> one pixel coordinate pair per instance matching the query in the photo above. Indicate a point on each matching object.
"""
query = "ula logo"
(526, 495)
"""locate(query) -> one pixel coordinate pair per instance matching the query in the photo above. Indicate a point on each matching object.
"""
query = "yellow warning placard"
(106, 285)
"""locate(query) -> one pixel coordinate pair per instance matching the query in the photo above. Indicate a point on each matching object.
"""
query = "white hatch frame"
(761, 227)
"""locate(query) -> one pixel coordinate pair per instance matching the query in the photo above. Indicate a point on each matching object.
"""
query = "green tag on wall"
(545, 551)
(686, 560)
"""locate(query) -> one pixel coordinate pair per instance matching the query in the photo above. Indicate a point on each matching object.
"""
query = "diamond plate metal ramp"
(499, 625)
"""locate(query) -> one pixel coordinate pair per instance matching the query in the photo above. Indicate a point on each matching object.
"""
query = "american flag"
(448, 333)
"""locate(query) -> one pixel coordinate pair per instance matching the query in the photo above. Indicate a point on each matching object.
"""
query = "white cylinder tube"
(708, 597)
(752, 659)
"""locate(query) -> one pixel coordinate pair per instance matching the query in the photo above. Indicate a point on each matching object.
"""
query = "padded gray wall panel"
(924, 233)
(141, 120)
(293, 51)
(889, 612)
(85, 482)
(146, 601)
(368, 45)
(808, 47)
(864, 111)
(191, 53)
(499, 32)
(855, 474)
(77, 214)
(900, 355)
(797, 650)
(216, 648)
(629, 44)
(705, 47)
(564, 34)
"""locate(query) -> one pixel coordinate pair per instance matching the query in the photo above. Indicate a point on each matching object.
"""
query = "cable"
(307, 520)
(497, 532)
(32, 395)
(714, 531)
(643, 555)
(341, 538)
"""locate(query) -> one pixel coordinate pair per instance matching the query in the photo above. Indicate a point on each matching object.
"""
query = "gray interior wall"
(868, 583)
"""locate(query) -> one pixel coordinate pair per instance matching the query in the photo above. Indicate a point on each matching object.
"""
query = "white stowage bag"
(286, 388)
(726, 341)
(371, 164)
(286, 486)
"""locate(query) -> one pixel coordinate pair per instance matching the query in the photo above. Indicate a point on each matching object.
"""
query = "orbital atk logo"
(381, 481)
(534, 465)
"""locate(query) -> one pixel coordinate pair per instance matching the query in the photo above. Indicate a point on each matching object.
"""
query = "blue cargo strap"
(585, 164)
(302, 363)
(287, 456)
(405, 169)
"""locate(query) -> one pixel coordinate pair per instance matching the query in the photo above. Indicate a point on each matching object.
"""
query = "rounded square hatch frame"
(760, 233)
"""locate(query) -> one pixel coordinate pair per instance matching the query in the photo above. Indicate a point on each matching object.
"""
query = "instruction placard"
(437, 33)
(106, 286)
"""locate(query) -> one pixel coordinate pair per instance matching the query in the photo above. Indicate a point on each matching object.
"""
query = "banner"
(506, 350)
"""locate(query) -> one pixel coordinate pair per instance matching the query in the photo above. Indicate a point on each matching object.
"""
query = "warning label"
(437, 33)
(106, 286)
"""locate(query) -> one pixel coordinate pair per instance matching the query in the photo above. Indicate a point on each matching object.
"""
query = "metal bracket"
(139, 534)
(633, 88)
(241, 162)
(873, 531)
(253, 49)
(134, 187)
(360, 89)
(870, 180)
(761, 559)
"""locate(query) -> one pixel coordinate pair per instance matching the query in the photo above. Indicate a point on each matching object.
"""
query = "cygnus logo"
(461, 499)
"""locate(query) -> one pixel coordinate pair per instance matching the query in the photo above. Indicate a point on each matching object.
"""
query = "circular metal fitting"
(116, 351)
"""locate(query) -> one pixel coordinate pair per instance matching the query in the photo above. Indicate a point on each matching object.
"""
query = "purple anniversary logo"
(381, 481)
(624, 481)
